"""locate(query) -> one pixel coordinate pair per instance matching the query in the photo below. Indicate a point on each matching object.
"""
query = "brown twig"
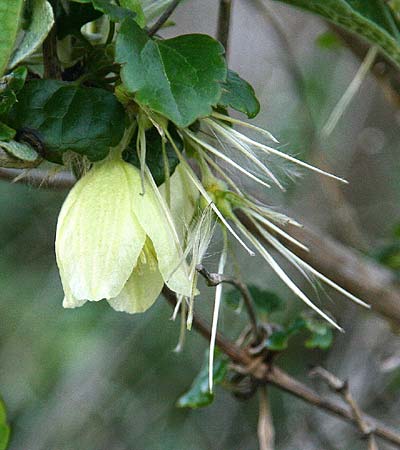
(163, 18)
(39, 178)
(277, 377)
(214, 279)
(51, 63)
(342, 388)
(265, 429)
(224, 23)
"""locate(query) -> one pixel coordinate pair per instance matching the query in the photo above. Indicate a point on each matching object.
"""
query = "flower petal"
(184, 197)
(140, 291)
(154, 216)
(98, 238)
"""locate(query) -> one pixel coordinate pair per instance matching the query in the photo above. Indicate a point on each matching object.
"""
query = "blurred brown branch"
(266, 373)
(224, 23)
(343, 389)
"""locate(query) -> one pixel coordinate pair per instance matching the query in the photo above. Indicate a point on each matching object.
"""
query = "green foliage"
(370, 19)
(10, 13)
(265, 301)
(4, 427)
(71, 20)
(179, 78)
(328, 41)
(69, 117)
(389, 254)
(320, 334)
(154, 154)
(114, 12)
(199, 394)
(21, 151)
(6, 133)
(239, 95)
(40, 23)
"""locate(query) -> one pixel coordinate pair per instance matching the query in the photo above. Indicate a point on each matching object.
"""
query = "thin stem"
(224, 23)
(265, 429)
(215, 279)
(163, 18)
(342, 388)
(51, 63)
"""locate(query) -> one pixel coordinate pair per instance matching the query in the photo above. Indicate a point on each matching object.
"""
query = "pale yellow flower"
(117, 243)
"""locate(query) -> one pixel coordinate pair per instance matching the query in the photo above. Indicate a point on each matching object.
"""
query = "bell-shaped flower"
(117, 242)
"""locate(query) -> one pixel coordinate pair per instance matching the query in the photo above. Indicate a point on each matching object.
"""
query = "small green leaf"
(9, 85)
(370, 19)
(42, 20)
(179, 78)
(328, 41)
(320, 340)
(6, 133)
(265, 301)
(239, 95)
(68, 117)
(154, 154)
(199, 395)
(114, 12)
(4, 427)
(136, 7)
(10, 14)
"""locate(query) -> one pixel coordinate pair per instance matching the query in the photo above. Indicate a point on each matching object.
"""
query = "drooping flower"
(116, 242)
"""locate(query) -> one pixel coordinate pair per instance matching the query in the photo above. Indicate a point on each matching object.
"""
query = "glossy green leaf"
(10, 13)
(179, 78)
(6, 133)
(154, 154)
(72, 20)
(41, 22)
(4, 427)
(239, 95)
(199, 395)
(370, 19)
(114, 12)
(264, 300)
(68, 117)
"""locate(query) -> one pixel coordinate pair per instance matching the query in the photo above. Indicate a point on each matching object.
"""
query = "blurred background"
(95, 379)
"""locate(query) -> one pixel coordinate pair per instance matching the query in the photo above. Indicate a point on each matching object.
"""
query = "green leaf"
(179, 78)
(68, 117)
(9, 85)
(154, 154)
(239, 95)
(6, 133)
(20, 150)
(42, 20)
(4, 427)
(114, 12)
(72, 20)
(265, 301)
(199, 395)
(136, 7)
(321, 333)
(10, 14)
(370, 19)
(328, 41)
